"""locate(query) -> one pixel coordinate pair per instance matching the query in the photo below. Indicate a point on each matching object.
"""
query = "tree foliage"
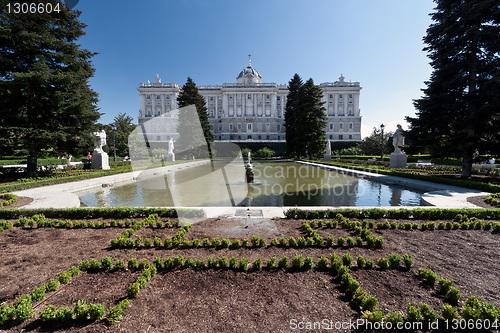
(124, 126)
(189, 139)
(460, 109)
(290, 114)
(46, 104)
(310, 121)
(372, 145)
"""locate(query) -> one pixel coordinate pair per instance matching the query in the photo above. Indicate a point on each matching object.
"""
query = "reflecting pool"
(276, 184)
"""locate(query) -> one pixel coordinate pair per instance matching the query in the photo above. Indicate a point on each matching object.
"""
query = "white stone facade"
(250, 110)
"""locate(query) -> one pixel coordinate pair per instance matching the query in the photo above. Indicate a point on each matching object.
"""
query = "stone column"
(162, 104)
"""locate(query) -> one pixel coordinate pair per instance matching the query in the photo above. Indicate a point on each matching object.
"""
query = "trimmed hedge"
(488, 187)
(376, 213)
(103, 212)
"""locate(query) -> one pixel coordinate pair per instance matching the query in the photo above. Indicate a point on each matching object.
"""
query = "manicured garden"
(126, 269)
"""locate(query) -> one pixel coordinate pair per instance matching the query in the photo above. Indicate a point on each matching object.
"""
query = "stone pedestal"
(327, 158)
(100, 160)
(398, 160)
(170, 157)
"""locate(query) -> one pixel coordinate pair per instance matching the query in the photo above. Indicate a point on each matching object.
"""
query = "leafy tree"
(310, 121)
(46, 104)
(371, 145)
(124, 126)
(290, 114)
(460, 109)
(190, 140)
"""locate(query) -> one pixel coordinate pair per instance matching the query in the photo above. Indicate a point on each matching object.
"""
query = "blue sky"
(378, 43)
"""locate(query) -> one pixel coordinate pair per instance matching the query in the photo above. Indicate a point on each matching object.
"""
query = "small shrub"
(449, 312)
(233, 262)
(64, 277)
(133, 290)
(283, 241)
(179, 260)
(441, 225)
(215, 242)
(200, 263)
(323, 263)
(189, 263)
(383, 263)
(408, 260)
(330, 241)
(257, 264)
(414, 314)
(107, 263)
(350, 241)
(395, 318)
(114, 314)
(283, 262)
(144, 263)
(195, 242)
(301, 242)
(96, 311)
(340, 241)
(206, 242)
(255, 241)
(369, 303)
(157, 242)
(394, 260)
(243, 264)
(262, 242)
(292, 242)
(271, 263)
(38, 294)
(132, 263)
(138, 241)
(225, 243)
(361, 261)
(84, 265)
(94, 265)
(444, 285)
(347, 259)
(158, 262)
(48, 313)
(53, 285)
(308, 263)
(212, 263)
(453, 295)
(427, 313)
(274, 242)
(430, 277)
(80, 309)
(297, 261)
(359, 241)
(63, 314)
(223, 263)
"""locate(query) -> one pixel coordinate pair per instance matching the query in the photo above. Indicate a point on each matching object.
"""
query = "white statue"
(171, 146)
(398, 140)
(328, 148)
(249, 158)
(100, 142)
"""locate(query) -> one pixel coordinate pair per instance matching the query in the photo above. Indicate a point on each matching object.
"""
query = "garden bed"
(219, 298)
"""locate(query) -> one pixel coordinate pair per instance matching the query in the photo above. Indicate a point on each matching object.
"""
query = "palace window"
(350, 137)
(278, 98)
(340, 96)
(331, 95)
(239, 126)
(230, 127)
(268, 96)
(249, 97)
(341, 137)
(148, 96)
(158, 97)
(350, 95)
(341, 125)
(331, 126)
(211, 99)
(168, 97)
(279, 128)
(350, 126)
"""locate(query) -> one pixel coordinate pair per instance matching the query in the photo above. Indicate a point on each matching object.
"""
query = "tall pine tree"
(460, 109)
(310, 121)
(46, 104)
(190, 140)
(290, 114)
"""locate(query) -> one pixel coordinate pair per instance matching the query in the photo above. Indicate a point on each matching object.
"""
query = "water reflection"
(276, 184)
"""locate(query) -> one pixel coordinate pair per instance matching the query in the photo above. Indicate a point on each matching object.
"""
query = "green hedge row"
(376, 213)
(102, 212)
(488, 187)
(19, 186)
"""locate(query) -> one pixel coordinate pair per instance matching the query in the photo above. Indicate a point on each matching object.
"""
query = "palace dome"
(249, 75)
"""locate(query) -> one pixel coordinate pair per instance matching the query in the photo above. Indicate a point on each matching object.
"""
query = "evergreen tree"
(290, 114)
(460, 109)
(310, 121)
(124, 126)
(189, 138)
(46, 104)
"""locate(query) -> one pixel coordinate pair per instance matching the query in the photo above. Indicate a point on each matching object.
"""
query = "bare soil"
(219, 300)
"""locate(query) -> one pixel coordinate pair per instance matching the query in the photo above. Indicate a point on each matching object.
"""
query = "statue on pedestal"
(100, 159)
(398, 140)
(398, 157)
(328, 155)
(249, 170)
(170, 154)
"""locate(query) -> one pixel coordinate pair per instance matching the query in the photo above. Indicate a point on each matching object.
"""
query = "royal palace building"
(251, 110)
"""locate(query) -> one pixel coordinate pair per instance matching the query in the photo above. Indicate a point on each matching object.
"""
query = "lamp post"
(113, 127)
(382, 142)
